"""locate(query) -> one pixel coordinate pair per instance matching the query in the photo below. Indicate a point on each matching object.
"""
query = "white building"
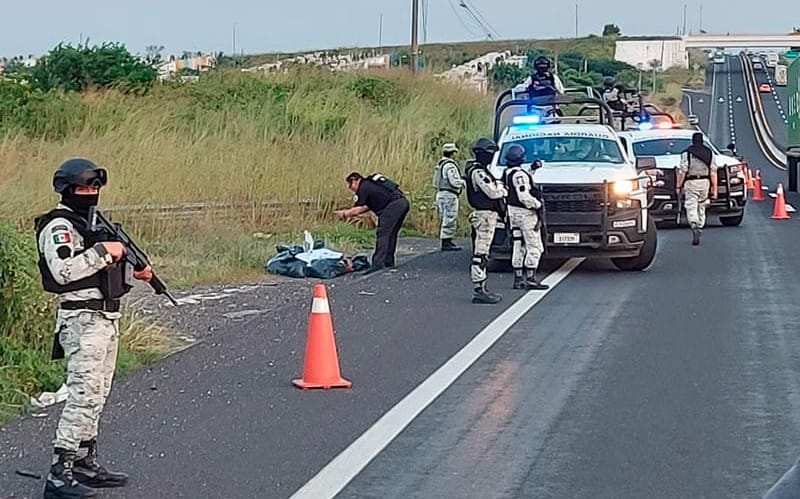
(670, 52)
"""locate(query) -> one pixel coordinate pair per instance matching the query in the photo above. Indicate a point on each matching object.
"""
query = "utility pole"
(701, 18)
(576, 20)
(380, 33)
(684, 20)
(234, 43)
(414, 35)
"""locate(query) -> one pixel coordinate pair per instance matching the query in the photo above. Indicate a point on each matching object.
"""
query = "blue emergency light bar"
(528, 119)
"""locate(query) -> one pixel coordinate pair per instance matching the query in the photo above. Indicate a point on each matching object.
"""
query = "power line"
(475, 19)
(482, 18)
(460, 20)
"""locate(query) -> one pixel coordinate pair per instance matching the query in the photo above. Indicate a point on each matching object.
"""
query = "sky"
(35, 26)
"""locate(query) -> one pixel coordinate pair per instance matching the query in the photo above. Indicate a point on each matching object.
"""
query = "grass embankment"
(241, 138)
(27, 320)
(228, 138)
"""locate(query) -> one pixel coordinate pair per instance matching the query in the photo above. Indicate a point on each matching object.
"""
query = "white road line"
(713, 92)
(348, 464)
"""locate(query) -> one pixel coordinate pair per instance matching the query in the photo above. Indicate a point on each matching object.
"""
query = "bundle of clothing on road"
(313, 259)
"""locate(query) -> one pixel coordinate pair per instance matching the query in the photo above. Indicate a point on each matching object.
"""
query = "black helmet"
(608, 81)
(541, 63)
(78, 172)
(484, 145)
(515, 155)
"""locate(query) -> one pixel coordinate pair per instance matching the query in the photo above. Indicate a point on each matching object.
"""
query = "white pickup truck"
(595, 199)
(666, 146)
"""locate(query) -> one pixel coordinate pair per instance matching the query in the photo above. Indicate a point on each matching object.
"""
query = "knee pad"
(480, 260)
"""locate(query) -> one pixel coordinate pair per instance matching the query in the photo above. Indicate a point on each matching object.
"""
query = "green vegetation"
(27, 323)
(284, 140)
(235, 138)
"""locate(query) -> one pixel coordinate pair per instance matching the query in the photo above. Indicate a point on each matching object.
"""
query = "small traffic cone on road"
(321, 369)
(779, 212)
(758, 192)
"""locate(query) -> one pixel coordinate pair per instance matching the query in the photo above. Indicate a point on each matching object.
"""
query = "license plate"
(566, 238)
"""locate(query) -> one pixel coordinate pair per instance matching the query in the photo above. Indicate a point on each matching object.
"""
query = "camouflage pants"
(527, 246)
(484, 223)
(90, 341)
(696, 201)
(447, 203)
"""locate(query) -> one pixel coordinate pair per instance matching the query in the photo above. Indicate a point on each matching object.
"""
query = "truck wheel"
(647, 256)
(732, 221)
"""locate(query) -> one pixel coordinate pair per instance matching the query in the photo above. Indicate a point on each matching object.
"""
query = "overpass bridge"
(671, 51)
(742, 41)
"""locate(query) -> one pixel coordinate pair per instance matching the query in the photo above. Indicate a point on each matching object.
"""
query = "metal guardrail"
(761, 127)
(225, 210)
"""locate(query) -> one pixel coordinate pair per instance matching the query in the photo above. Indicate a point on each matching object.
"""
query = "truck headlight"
(623, 187)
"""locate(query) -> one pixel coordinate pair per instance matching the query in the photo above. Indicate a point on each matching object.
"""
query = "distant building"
(474, 74)
(28, 61)
(670, 52)
(197, 62)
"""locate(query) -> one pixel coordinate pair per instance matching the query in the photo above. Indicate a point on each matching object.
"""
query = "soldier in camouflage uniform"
(526, 237)
(89, 276)
(696, 176)
(485, 195)
(448, 183)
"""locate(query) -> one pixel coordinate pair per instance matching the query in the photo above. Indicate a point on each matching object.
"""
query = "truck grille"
(572, 198)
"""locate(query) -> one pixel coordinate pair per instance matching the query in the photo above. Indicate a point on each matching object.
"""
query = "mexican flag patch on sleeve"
(62, 238)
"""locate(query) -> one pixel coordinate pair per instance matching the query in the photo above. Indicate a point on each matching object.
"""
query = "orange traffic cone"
(321, 369)
(779, 212)
(748, 175)
(758, 192)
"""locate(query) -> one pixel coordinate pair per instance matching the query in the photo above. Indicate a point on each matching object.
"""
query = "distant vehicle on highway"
(772, 59)
(666, 146)
(780, 75)
(765, 88)
(758, 65)
(719, 58)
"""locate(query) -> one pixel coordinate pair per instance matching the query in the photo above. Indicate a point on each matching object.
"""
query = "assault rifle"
(134, 255)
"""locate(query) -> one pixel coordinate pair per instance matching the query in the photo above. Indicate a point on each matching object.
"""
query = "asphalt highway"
(775, 103)
(682, 381)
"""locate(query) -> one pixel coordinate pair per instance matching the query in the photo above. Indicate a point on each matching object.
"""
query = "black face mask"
(484, 158)
(80, 203)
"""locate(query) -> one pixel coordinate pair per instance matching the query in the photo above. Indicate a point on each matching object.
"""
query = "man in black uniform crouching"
(383, 197)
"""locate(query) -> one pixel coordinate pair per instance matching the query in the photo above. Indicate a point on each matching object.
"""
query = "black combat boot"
(519, 279)
(532, 282)
(447, 245)
(89, 472)
(61, 484)
(481, 295)
(695, 234)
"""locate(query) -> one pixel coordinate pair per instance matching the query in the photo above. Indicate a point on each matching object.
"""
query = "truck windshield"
(567, 150)
(665, 147)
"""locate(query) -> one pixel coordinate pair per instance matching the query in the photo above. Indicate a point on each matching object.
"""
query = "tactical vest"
(693, 167)
(476, 197)
(111, 280)
(440, 181)
(513, 197)
(384, 182)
